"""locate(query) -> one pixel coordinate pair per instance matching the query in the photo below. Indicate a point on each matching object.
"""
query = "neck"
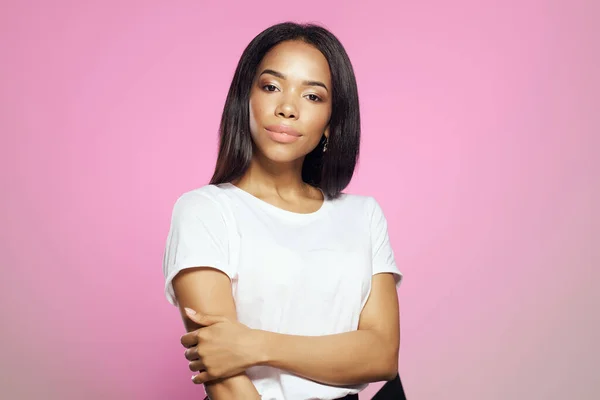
(267, 176)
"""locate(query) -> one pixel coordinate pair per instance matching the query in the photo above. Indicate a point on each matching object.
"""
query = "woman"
(286, 286)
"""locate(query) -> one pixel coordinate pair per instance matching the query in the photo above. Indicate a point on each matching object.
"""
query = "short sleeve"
(383, 254)
(198, 237)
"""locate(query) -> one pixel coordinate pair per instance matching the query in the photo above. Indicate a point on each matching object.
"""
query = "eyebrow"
(282, 76)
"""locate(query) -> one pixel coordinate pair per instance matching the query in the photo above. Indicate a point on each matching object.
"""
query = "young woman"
(286, 285)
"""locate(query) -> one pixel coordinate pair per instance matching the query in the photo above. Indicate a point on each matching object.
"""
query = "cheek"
(252, 109)
(257, 108)
(319, 118)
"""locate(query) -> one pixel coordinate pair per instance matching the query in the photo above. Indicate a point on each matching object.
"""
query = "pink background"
(480, 141)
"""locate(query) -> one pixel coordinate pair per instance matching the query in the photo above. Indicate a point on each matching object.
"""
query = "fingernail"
(190, 311)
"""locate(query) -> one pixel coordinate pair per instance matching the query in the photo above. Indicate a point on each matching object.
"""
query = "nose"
(287, 109)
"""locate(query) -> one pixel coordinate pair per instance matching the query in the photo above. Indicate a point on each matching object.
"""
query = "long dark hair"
(330, 171)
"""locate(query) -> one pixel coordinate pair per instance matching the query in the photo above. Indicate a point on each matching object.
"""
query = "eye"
(313, 97)
(270, 88)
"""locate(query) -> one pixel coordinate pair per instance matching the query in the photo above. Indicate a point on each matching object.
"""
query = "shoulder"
(203, 193)
(205, 201)
(354, 203)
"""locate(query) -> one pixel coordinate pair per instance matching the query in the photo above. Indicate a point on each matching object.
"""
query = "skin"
(292, 87)
(209, 291)
(287, 90)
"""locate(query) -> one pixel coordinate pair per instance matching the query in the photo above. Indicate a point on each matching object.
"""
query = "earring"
(325, 145)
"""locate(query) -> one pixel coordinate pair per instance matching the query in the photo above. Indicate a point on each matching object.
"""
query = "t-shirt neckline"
(280, 211)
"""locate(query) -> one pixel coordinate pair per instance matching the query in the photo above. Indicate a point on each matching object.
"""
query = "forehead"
(297, 60)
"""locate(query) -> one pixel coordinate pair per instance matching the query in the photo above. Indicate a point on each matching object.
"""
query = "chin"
(282, 154)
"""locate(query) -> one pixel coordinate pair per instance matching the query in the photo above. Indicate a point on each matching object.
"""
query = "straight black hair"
(330, 171)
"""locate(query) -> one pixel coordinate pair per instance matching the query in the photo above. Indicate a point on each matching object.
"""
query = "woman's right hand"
(220, 349)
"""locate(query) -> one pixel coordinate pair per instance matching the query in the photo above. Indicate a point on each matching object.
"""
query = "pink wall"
(480, 142)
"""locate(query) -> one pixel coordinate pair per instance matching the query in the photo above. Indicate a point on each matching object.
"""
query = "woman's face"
(290, 101)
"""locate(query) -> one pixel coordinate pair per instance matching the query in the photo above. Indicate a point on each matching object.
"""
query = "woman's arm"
(369, 354)
(209, 291)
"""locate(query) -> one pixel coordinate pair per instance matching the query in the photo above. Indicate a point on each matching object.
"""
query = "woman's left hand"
(220, 349)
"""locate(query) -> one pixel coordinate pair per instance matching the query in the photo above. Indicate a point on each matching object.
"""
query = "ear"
(326, 133)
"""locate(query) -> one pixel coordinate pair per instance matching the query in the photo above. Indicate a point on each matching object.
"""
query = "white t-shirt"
(291, 273)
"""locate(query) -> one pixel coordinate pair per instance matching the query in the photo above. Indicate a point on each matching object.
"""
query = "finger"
(191, 354)
(196, 365)
(190, 339)
(201, 377)
(203, 319)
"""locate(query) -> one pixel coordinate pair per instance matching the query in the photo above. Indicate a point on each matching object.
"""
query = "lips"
(288, 130)
(282, 133)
